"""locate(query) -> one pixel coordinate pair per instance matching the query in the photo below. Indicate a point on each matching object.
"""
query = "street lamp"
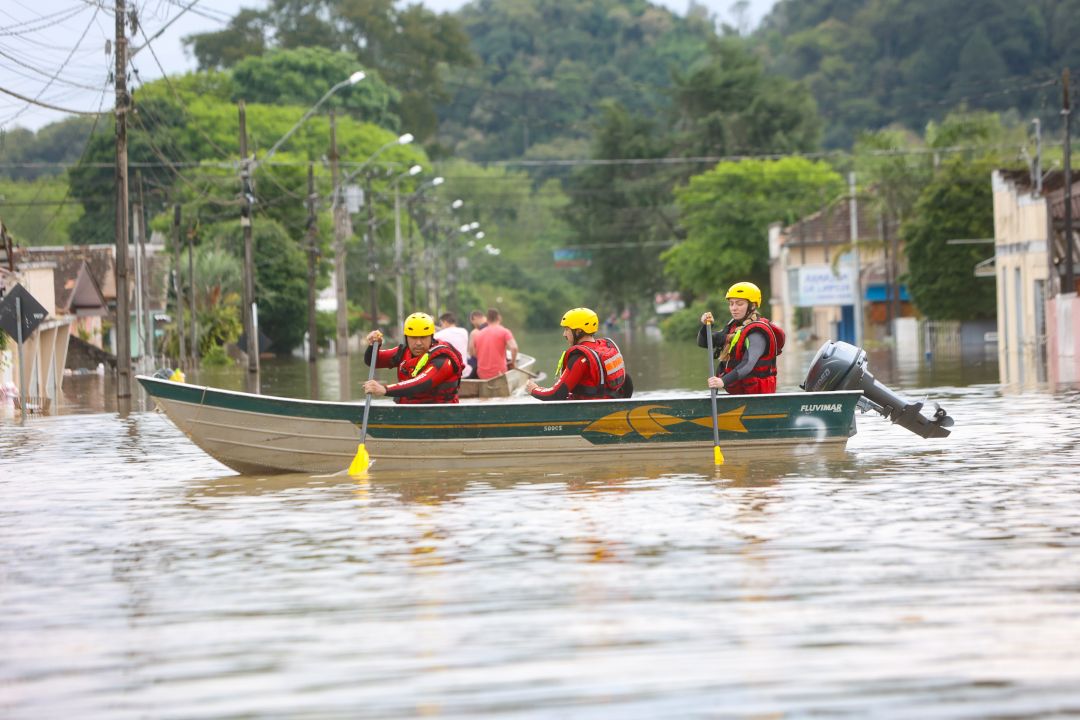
(351, 80)
(411, 262)
(247, 168)
(431, 254)
(399, 287)
(342, 230)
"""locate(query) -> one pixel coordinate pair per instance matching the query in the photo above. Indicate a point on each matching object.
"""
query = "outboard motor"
(841, 366)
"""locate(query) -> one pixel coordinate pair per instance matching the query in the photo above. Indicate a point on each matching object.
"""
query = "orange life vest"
(409, 366)
(766, 366)
(605, 357)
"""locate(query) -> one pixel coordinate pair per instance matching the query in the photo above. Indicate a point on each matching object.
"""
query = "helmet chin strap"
(577, 335)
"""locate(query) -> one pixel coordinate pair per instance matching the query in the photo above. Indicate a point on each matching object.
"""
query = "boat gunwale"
(499, 402)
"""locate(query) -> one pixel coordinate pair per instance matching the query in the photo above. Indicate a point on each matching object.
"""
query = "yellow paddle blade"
(360, 463)
(718, 457)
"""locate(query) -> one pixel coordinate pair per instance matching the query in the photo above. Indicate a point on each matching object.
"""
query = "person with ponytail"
(746, 348)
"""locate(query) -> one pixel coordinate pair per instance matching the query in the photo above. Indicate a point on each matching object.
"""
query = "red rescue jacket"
(433, 377)
(607, 370)
(762, 379)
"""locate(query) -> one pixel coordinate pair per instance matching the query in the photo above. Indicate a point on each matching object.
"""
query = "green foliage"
(406, 43)
(956, 204)
(302, 76)
(520, 218)
(217, 286)
(623, 209)
(280, 279)
(889, 164)
(727, 105)
(215, 356)
(38, 212)
(53, 145)
(872, 63)
(683, 324)
(546, 70)
(727, 212)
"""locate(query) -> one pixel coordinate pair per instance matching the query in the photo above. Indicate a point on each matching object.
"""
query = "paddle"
(718, 456)
(362, 461)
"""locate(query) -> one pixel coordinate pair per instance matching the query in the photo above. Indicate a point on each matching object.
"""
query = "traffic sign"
(32, 313)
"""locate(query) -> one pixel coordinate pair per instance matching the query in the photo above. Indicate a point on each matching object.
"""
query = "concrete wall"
(1063, 314)
(1021, 270)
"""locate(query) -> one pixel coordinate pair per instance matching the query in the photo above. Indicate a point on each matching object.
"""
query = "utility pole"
(144, 277)
(853, 215)
(123, 315)
(136, 212)
(250, 330)
(177, 286)
(1070, 273)
(312, 256)
(399, 275)
(1037, 171)
(342, 230)
(451, 270)
(373, 288)
(191, 297)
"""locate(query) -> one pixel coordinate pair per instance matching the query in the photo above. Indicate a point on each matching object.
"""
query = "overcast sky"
(67, 39)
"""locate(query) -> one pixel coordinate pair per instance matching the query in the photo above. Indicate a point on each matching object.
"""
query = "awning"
(878, 292)
(986, 268)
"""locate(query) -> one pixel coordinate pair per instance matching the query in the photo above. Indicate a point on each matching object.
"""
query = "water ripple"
(901, 578)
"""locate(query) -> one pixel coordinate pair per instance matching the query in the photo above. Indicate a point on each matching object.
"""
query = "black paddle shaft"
(712, 393)
(370, 377)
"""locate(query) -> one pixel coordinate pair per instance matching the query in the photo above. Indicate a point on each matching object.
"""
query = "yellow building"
(1021, 268)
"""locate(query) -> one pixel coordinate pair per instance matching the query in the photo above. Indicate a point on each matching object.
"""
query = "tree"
(548, 69)
(873, 63)
(243, 37)
(727, 211)
(302, 76)
(623, 210)
(38, 212)
(956, 204)
(280, 279)
(408, 45)
(727, 104)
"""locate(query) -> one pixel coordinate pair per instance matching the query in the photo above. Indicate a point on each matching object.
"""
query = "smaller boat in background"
(511, 382)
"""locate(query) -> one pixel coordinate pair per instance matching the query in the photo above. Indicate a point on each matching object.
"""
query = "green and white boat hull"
(266, 434)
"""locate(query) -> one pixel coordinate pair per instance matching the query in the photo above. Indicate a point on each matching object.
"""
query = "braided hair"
(725, 347)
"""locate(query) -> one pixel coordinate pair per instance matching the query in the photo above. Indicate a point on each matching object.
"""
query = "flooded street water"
(902, 578)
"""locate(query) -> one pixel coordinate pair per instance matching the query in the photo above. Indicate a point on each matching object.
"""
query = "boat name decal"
(824, 407)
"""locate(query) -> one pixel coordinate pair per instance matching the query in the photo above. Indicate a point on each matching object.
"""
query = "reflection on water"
(654, 364)
(900, 578)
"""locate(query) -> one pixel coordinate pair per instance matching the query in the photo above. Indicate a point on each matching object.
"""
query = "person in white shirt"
(453, 335)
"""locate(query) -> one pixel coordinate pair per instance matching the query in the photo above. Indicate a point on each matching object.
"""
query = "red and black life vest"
(409, 366)
(607, 360)
(762, 379)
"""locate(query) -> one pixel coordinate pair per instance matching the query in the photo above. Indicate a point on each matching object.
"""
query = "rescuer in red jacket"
(590, 369)
(746, 347)
(428, 371)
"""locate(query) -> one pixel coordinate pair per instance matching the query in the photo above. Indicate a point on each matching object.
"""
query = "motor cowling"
(842, 366)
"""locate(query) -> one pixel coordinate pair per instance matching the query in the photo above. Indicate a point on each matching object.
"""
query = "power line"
(55, 75)
(50, 20)
(46, 105)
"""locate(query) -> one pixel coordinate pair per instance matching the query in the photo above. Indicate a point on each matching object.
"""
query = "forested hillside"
(871, 63)
(547, 68)
(654, 148)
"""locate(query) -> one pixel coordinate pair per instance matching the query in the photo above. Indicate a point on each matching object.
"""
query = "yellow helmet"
(746, 291)
(582, 319)
(419, 325)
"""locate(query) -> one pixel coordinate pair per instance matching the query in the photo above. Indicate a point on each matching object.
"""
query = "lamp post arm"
(311, 111)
